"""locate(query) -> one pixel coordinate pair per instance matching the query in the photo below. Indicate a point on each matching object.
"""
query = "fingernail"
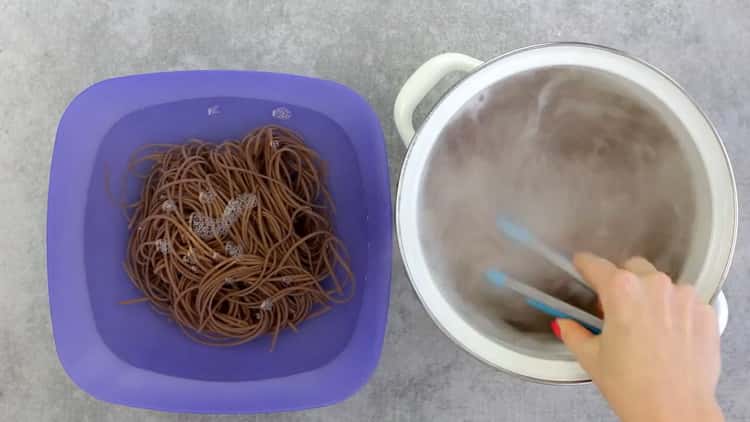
(555, 328)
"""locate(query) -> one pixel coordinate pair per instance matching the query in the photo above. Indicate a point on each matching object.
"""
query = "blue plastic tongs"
(537, 298)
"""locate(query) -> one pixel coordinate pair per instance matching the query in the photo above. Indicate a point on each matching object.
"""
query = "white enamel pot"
(716, 218)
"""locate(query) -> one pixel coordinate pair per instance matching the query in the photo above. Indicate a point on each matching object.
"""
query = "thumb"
(579, 340)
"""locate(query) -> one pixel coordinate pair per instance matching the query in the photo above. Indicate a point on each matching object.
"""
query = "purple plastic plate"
(128, 354)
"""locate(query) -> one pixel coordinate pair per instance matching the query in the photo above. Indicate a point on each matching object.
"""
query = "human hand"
(657, 358)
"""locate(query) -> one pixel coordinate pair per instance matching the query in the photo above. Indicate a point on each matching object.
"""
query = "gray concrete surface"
(49, 51)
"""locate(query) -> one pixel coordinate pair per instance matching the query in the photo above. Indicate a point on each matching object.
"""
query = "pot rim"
(416, 140)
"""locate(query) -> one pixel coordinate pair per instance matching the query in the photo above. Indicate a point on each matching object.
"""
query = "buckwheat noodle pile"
(234, 241)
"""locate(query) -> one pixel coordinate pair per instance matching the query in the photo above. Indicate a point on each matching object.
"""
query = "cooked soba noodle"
(233, 241)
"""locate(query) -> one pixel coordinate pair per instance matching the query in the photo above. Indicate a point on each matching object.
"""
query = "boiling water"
(572, 155)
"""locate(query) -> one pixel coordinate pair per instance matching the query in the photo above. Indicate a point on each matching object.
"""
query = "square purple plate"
(127, 354)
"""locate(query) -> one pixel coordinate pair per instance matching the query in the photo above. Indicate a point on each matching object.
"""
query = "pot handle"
(421, 82)
(722, 310)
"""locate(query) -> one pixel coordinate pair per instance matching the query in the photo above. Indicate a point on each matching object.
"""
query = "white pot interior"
(584, 147)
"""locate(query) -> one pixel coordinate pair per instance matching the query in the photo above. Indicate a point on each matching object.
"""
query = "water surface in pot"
(576, 156)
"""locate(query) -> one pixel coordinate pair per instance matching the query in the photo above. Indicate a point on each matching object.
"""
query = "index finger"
(596, 270)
